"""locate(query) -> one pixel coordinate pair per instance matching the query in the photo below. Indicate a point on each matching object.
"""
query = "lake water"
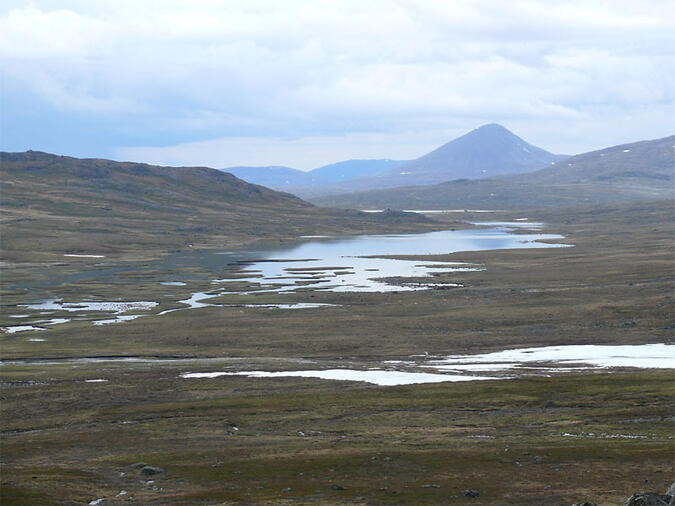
(339, 264)
(355, 264)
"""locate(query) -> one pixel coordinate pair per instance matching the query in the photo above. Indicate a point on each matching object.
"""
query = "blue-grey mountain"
(638, 171)
(352, 169)
(279, 177)
(488, 151)
(275, 176)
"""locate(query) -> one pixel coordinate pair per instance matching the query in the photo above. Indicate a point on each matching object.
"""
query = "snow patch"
(20, 328)
(646, 356)
(375, 376)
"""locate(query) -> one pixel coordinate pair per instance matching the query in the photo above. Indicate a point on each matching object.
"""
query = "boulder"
(648, 499)
(150, 470)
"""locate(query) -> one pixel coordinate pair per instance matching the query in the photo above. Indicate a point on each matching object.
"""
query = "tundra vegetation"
(76, 431)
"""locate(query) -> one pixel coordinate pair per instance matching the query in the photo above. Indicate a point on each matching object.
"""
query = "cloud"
(174, 73)
(304, 153)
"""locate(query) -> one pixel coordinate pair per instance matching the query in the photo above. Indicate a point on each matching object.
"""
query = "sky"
(307, 83)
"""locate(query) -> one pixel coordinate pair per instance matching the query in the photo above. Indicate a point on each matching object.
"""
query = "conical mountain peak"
(487, 151)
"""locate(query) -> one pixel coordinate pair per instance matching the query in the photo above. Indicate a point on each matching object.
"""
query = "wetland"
(571, 346)
(340, 264)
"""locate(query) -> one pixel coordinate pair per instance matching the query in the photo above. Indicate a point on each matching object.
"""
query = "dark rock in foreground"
(649, 499)
(150, 470)
(671, 491)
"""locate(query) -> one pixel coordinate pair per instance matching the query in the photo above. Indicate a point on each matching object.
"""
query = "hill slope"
(639, 163)
(61, 205)
(638, 171)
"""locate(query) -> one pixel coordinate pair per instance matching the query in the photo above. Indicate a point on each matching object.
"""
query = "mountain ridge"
(354, 168)
(486, 151)
(280, 177)
(272, 176)
(641, 170)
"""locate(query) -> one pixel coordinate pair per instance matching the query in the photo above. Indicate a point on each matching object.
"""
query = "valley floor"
(598, 436)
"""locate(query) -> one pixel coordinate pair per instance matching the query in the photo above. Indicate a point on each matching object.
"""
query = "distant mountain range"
(281, 178)
(488, 151)
(352, 169)
(274, 176)
(53, 205)
(58, 204)
(636, 171)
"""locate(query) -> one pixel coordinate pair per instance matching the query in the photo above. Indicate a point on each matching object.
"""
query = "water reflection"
(338, 264)
(357, 264)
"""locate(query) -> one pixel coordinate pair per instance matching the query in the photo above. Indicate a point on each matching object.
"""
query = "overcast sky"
(306, 83)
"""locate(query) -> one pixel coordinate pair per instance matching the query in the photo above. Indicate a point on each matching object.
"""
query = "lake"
(339, 264)
(356, 264)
